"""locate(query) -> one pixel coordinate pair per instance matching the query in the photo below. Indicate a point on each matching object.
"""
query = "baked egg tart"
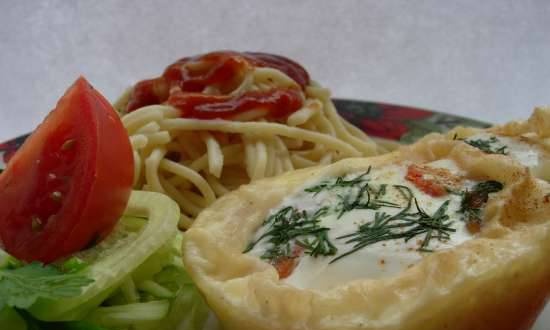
(436, 235)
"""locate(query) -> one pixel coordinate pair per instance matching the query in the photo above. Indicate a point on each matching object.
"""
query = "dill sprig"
(473, 200)
(340, 182)
(289, 226)
(488, 145)
(366, 198)
(407, 224)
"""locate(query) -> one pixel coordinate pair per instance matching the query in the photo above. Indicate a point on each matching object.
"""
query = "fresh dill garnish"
(474, 200)
(380, 192)
(365, 198)
(290, 225)
(488, 145)
(290, 229)
(406, 224)
(340, 182)
(319, 245)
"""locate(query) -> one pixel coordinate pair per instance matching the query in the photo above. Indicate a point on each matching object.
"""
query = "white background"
(484, 59)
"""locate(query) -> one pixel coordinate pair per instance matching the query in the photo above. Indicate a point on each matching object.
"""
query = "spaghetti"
(214, 122)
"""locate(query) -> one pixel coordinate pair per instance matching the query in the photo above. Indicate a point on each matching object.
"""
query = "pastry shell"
(498, 280)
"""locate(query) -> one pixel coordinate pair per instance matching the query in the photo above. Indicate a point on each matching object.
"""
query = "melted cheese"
(381, 259)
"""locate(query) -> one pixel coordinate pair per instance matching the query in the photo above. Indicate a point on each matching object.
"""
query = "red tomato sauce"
(182, 83)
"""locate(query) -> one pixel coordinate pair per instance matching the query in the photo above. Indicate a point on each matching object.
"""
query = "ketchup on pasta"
(183, 83)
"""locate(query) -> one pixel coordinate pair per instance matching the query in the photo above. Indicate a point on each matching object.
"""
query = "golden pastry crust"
(535, 130)
(499, 280)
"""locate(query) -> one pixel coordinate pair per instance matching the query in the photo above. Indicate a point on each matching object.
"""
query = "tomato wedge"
(69, 183)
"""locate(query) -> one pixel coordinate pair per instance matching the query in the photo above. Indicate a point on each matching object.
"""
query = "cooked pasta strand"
(187, 207)
(261, 160)
(301, 162)
(151, 169)
(148, 128)
(214, 153)
(195, 161)
(261, 129)
(191, 175)
(185, 222)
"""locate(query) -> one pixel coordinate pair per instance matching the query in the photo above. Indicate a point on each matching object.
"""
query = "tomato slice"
(69, 183)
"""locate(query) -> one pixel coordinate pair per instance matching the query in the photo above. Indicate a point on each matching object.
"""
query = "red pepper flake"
(286, 265)
(433, 181)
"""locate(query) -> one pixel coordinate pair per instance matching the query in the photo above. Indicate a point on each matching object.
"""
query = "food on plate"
(526, 141)
(449, 233)
(437, 235)
(84, 251)
(67, 186)
(213, 122)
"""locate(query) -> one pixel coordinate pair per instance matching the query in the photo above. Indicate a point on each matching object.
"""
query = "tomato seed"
(56, 196)
(36, 223)
(69, 144)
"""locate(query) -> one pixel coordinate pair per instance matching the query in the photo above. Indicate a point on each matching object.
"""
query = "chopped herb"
(319, 245)
(340, 182)
(290, 225)
(488, 146)
(473, 200)
(403, 225)
(363, 200)
(22, 287)
(290, 228)
(380, 192)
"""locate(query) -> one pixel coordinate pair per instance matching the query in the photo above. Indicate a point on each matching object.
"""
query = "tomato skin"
(69, 183)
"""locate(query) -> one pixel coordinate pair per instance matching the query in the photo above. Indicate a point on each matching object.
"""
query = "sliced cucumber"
(127, 315)
(112, 261)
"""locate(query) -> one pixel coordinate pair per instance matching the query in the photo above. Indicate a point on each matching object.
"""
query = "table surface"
(484, 59)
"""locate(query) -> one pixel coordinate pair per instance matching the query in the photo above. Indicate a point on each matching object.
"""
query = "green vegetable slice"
(113, 263)
(22, 287)
(126, 315)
